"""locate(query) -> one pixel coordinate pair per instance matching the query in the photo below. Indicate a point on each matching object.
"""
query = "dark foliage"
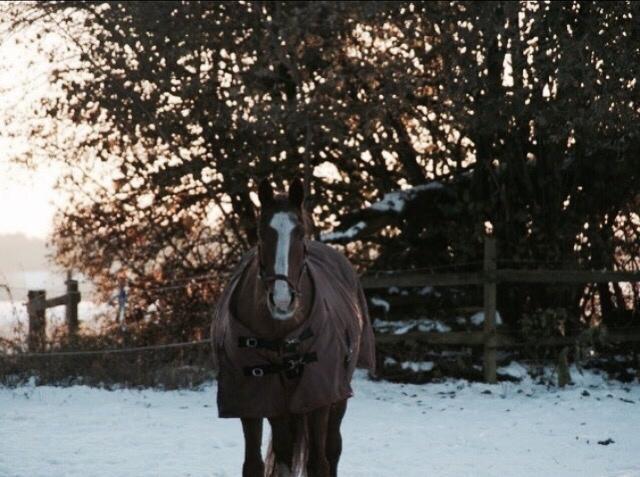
(527, 111)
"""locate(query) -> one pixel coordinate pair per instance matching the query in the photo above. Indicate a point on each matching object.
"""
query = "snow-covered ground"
(449, 429)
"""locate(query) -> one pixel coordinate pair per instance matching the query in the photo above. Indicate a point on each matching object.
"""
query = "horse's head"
(282, 247)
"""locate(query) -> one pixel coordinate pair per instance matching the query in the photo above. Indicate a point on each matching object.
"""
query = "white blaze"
(283, 225)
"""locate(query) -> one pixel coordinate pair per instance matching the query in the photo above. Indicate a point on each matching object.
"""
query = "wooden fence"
(489, 278)
(37, 306)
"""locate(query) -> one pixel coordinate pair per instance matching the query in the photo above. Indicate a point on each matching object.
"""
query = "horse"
(288, 332)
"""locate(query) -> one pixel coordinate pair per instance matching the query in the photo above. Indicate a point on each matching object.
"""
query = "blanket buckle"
(257, 372)
(251, 342)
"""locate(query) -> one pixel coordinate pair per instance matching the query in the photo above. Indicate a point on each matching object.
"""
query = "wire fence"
(180, 283)
(193, 351)
(135, 349)
(169, 366)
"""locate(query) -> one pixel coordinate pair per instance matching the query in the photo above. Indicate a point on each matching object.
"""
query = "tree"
(188, 104)
(544, 97)
(523, 111)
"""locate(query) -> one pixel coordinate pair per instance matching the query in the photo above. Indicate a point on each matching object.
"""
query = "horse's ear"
(265, 193)
(296, 193)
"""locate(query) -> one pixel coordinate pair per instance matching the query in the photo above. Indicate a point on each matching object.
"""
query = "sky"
(27, 200)
(27, 197)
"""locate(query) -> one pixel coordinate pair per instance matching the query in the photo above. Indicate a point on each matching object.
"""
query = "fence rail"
(504, 275)
(97, 352)
(489, 278)
(503, 339)
(37, 306)
(490, 338)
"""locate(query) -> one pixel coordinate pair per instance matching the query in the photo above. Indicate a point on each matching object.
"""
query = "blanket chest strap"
(292, 366)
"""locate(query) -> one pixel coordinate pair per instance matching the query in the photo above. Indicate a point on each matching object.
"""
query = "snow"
(513, 370)
(392, 201)
(450, 429)
(478, 318)
(401, 327)
(389, 361)
(433, 325)
(430, 186)
(396, 201)
(349, 233)
(461, 320)
(428, 290)
(417, 366)
(377, 301)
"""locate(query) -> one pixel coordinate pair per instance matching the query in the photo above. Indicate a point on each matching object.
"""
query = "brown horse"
(288, 333)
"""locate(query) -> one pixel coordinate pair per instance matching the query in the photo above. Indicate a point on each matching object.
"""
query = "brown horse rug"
(312, 366)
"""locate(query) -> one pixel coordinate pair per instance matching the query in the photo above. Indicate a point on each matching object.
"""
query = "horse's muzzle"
(282, 301)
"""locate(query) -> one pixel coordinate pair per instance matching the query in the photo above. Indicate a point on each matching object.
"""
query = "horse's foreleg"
(282, 443)
(334, 438)
(318, 421)
(253, 465)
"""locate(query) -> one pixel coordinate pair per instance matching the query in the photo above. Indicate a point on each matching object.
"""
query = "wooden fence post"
(490, 340)
(36, 309)
(71, 306)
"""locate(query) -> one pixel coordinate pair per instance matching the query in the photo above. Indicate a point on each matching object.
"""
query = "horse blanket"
(313, 366)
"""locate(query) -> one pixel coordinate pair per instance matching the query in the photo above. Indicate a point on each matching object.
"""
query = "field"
(453, 428)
